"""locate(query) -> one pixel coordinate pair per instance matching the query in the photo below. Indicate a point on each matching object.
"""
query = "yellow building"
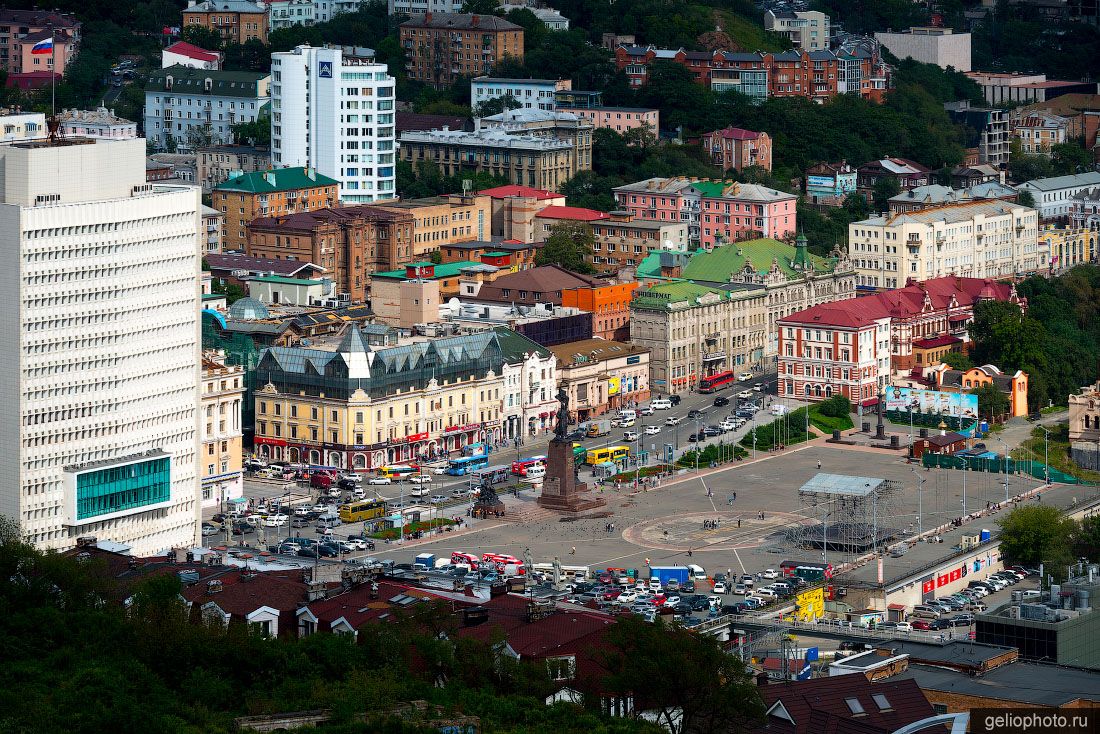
(1069, 246)
(446, 220)
(220, 462)
(352, 406)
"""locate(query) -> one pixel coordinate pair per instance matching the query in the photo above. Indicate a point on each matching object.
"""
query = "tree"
(992, 403)
(1086, 538)
(885, 189)
(255, 132)
(203, 37)
(200, 136)
(569, 246)
(436, 257)
(480, 7)
(1036, 534)
(1069, 158)
(957, 361)
(687, 679)
(1024, 198)
(838, 406)
(496, 105)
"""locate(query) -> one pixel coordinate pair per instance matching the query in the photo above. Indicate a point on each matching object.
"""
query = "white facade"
(213, 228)
(850, 359)
(102, 383)
(22, 126)
(939, 46)
(98, 123)
(983, 239)
(287, 13)
(1054, 196)
(412, 7)
(333, 109)
(182, 103)
(808, 30)
(529, 393)
(535, 94)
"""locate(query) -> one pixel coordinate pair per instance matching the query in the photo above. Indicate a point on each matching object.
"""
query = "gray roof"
(1037, 684)
(957, 653)
(842, 484)
(949, 214)
(460, 21)
(222, 6)
(1064, 182)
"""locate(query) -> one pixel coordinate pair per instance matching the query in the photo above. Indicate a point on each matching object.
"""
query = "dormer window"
(854, 706)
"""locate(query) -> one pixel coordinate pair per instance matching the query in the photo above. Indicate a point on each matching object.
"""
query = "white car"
(630, 435)
(627, 597)
(744, 376)
(673, 420)
(647, 410)
(903, 627)
(745, 394)
(719, 588)
(747, 580)
(438, 499)
(671, 601)
(357, 543)
(419, 479)
(379, 480)
(758, 387)
(728, 425)
(654, 584)
(767, 593)
(275, 521)
(770, 574)
(652, 430)
(352, 476)
(660, 404)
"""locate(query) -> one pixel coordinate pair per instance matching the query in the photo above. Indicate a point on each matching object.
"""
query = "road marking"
(739, 561)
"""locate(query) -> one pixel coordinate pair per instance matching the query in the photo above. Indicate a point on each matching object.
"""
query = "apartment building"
(1039, 132)
(734, 148)
(621, 238)
(354, 145)
(273, 193)
(609, 304)
(213, 227)
(102, 435)
(987, 131)
(807, 30)
(619, 119)
(220, 457)
(236, 20)
(531, 94)
(187, 108)
(287, 13)
(1054, 196)
(441, 47)
(185, 54)
(553, 125)
(977, 239)
(514, 210)
(348, 404)
(16, 125)
(830, 183)
(218, 163)
(523, 160)
(18, 26)
(444, 221)
(98, 123)
(350, 243)
(929, 45)
(415, 7)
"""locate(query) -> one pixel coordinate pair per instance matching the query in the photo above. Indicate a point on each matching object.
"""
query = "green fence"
(1035, 469)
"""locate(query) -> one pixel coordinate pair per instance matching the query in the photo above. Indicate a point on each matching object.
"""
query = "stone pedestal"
(561, 491)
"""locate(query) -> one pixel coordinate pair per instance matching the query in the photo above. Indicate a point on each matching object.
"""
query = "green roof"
(717, 265)
(278, 179)
(661, 295)
(514, 345)
(495, 254)
(186, 80)
(284, 280)
(445, 270)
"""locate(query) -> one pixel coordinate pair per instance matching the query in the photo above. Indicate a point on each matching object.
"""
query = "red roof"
(502, 192)
(938, 294)
(937, 341)
(577, 213)
(192, 52)
(837, 703)
(735, 133)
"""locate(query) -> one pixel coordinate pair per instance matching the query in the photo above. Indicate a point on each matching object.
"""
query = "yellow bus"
(608, 453)
(362, 510)
(397, 472)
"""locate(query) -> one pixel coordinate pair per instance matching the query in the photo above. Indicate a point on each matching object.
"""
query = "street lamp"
(920, 502)
(1046, 452)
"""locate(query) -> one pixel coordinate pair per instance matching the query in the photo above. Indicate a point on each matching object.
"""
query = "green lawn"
(749, 34)
(1033, 448)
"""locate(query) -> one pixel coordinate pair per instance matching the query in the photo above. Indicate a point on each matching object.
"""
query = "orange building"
(270, 194)
(441, 47)
(610, 307)
(1014, 386)
(236, 20)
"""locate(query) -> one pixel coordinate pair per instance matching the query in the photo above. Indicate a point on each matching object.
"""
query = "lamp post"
(1046, 453)
(1002, 442)
(920, 502)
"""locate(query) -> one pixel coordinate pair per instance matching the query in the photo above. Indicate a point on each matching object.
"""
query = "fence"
(1035, 469)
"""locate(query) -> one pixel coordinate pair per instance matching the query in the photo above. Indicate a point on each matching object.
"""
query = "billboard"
(959, 405)
(821, 182)
(810, 605)
(613, 385)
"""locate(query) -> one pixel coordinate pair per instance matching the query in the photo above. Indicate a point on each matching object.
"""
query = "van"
(697, 572)
(628, 415)
(538, 471)
(661, 404)
(924, 612)
(329, 522)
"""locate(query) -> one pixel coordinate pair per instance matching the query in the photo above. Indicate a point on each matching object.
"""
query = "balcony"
(718, 356)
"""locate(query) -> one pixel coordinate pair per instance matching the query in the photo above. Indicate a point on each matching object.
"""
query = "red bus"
(459, 558)
(519, 467)
(808, 570)
(717, 382)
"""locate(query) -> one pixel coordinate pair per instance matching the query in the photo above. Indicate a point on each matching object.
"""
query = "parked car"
(208, 530)
(719, 587)
(920, 624)
(740, 589)
(660, 404)
(962, 620)
(770, 573)
(712, 431)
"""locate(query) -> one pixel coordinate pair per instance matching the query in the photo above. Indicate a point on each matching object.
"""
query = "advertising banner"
(958, 405)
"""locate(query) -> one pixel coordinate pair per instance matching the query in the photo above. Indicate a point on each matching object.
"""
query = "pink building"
(717, 212)
(619, 119)
(64, 49)
(735, 148)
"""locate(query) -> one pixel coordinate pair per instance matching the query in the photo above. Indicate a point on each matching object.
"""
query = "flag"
(44, 46)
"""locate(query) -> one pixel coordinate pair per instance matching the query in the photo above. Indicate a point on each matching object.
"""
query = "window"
(854, 706)
(881, 701)
(563, 668)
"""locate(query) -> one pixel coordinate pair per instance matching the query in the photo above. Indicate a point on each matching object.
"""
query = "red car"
(611, 594)
(658, 600)
(921, 624)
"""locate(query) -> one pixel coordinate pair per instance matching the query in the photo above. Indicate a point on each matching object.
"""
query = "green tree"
(1086, 538)
(711, 690)
(436, 257)
(992, 403)
(200, 136)
(1035, 534)
(957, 361)
(496, 105)
(481, 7)
(838, 406)
(1024, 198)
(569, 245)
(203, 37)
(885, 189)
(255, 132)
(1070, 158)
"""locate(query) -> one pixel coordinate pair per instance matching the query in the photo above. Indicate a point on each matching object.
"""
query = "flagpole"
(53, 76)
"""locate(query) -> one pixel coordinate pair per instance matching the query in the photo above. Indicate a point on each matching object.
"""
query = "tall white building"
(333, 110)
(101, 386)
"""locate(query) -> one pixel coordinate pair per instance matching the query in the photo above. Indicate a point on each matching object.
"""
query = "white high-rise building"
(333, 110)
(101, 368)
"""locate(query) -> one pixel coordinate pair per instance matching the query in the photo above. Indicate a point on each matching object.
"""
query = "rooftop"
(548, 279)
(221, 6)
(896, 165)
(183, 48)
(734, 133)
(722, 264)
(1091, 178)
(523, 114)
(502, 192)
(593, 350)
(508, 80)
(259, 265)
(308, 221)
(843, 704)
(953, 213)
(460, 21)
(492, 138)
(445, 270)
(575, 213)
(278, 179)
(186, 80)
(100, 115)
(1035, 684)
(740, 191)
(413, 121)
(842, 485)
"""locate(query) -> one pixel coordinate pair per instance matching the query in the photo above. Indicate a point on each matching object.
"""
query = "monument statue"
(561, 490)
(562, 427)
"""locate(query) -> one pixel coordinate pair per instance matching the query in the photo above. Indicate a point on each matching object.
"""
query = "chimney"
(427, 17)
(475, 21)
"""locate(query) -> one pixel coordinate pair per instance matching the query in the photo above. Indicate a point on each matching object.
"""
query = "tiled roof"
(279, 179)
(837, 703)
(183, 48)
(406, 121)
(735, 133)
(740, 191)
(938, 341)
(593, 349)
(307, 221)
(258, 264)
(243, 593)
(575, 213)
(547, 279)
(186, 80)
(502, 192)
(659, 185)
(719, 264)
(37, 18)
(461, 21)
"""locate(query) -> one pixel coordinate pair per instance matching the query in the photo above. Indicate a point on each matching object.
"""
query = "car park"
(652, 430)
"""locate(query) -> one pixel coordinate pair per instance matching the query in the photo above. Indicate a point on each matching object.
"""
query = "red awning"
(895, 607)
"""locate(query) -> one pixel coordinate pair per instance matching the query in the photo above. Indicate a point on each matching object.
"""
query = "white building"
(98, 123)
(286, 13)
(550, 18)
(1054, 196)
(22, 126)
(213, 228)
(102, 385)
(182, 53)
(980, 239)
(412, 7)
(333, 109)
(194, 108)
(530, 93)
(940, 46)
(530, 387)
(808, 30)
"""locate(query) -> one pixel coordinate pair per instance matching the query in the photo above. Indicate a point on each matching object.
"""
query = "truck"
(424, 562)
(664, 574)
(598, 428)
(778, 409)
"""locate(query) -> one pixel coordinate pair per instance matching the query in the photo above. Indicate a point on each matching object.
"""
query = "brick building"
(349, 243)
(442, 221)
(270, 194)
(609, 304)
(735, 148)
(515, 209)
(622, 239)
(236, 20)
(441, 47)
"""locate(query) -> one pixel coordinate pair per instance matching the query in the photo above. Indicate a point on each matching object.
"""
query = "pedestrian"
(738, 522)
(729, 574)
(819, 464)
(573, 551)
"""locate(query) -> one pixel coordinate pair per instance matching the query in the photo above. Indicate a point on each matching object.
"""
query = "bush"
(786, 431)
(714, 453)
(838, 406)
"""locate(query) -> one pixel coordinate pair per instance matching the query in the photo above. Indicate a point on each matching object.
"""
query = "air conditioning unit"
(333, 303)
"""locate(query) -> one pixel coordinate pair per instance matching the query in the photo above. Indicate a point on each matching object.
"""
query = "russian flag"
(43, 47)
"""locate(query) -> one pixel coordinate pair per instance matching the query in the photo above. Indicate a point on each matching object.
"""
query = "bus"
(467, 465)
(578, 453)
(519, 467)
(458, 558)
(362, 510)
(493, 474)
(807, 570)
(398, 472)
(717, 382)
(606, 454)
